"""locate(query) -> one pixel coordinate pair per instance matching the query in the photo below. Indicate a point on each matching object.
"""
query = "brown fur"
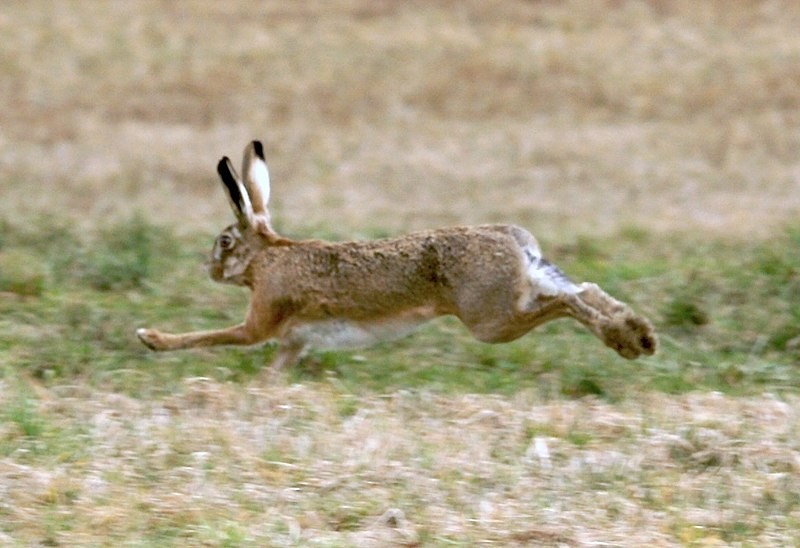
(341, 294)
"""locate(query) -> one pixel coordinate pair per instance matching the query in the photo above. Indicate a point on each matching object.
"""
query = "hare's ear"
(256, 182)
(235, 190)
(256, 176)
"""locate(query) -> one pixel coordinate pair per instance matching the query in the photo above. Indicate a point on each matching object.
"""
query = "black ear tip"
(222, 166)
(227, 176)
(258, 148)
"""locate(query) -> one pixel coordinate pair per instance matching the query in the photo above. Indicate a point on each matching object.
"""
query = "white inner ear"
(257, 174)
(248, 205)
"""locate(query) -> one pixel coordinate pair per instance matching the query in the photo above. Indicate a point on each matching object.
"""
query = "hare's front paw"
(151, 338)
(630, 335)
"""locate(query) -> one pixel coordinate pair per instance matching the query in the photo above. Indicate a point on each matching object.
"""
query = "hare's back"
(414, 268)
(429, 257)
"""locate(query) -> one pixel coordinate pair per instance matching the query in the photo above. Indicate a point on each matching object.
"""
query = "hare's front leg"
(259, 325)
(242, 334)
(287, 354)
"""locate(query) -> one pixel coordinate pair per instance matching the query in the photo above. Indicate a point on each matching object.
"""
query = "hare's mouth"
(214, 270)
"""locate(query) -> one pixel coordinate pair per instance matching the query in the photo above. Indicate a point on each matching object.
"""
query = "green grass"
(726, 312)
(186, 448)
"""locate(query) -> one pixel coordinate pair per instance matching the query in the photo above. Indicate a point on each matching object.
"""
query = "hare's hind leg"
(550, 294)
(611, 321)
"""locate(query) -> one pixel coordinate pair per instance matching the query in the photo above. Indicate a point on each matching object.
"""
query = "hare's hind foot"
(629, 335)
(618, 326)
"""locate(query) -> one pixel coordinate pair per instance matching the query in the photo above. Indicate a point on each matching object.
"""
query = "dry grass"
(572, 118)
(224, 464)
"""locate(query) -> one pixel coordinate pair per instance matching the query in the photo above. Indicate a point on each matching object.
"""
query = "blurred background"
(382, 116)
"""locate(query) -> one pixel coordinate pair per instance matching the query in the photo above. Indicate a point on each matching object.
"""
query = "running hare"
(349, 294)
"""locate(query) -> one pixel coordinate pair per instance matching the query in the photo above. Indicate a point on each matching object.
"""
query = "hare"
(313, 293)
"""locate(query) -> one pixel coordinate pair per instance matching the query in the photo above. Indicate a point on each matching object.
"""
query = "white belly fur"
(342, 333)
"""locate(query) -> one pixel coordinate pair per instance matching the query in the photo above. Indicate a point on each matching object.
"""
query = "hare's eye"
(225, 241)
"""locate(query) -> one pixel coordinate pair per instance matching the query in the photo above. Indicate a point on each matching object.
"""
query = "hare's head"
(236, 246)
(232, 253)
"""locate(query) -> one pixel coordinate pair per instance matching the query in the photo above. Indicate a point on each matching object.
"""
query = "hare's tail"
(548, 278)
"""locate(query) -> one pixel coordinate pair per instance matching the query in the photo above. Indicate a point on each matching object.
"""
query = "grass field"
(652, 147)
